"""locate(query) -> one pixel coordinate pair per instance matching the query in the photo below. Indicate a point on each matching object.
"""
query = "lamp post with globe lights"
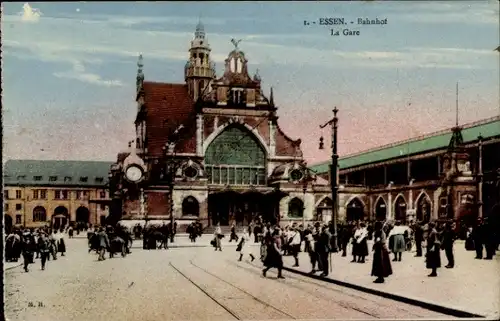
(333, 173)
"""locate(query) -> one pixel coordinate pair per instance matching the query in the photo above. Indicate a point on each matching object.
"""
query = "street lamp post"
(304, 190)
(333, 174)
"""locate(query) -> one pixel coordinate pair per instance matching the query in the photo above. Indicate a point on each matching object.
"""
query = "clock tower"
(199, 70)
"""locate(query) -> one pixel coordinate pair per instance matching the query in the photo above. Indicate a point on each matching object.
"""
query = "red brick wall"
(158, 203)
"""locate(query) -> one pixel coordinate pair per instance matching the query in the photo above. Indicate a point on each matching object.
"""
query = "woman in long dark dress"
(381, 266)
(273, 258)
(433, 255)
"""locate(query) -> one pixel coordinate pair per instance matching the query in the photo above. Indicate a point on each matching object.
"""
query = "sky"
(69, 68)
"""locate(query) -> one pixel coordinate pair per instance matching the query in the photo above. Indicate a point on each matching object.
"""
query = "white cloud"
(78, 73)
(30, 14)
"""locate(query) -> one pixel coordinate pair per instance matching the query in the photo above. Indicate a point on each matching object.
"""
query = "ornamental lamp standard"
(333, 173)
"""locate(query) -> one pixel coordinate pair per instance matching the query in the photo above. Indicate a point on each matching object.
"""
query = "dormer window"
(236, 65)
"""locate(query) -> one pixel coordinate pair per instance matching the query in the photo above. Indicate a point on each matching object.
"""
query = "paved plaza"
(179, 284)
(472, 285)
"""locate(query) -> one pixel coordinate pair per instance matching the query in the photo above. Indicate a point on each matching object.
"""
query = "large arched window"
(190, 207)
(296, 208)
(39, 214)
(235, 157)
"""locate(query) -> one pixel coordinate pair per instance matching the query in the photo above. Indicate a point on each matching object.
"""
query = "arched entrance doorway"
(324, 211)
(7, 223)
(380, 209)
(423, 208)
(355, 210)
(190, 206)
(82, 215)
(60, 217)
(400, 209)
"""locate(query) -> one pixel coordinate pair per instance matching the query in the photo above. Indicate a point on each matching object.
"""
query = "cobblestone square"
(182, 283)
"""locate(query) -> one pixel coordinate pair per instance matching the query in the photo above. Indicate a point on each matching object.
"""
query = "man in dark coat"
(419, 238)
(477, 236)
(43, 248)
(489, 239)
(346, 233)
(448, 238)
(323, 248)
(28, 249)
(433, 255)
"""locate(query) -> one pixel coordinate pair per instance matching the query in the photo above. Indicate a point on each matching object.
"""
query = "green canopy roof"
(417, 146)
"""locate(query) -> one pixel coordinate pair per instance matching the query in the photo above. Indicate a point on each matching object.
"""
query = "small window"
(19, 219)
(21, 177)
(35, 194)
(64, 195)
(53, 178)
(57, 194)
(84, 179)
(102, 194)
(99, 179)
(37, 178)
(18, 194)
(6, 194)
(67, 178)
(19, 207)
(43, 194)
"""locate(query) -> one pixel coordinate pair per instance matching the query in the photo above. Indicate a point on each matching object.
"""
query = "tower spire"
(140, 74)
(271, 97)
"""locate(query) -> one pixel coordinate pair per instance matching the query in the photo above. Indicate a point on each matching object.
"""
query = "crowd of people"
(32, 244)
(387, 238)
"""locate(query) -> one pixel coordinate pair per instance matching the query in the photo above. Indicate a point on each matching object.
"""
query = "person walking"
(361, 245)
(218, 237)
(274, 258)
(103, 243)
(478, 237)
(233, 235)
(294, 242)
(61, 245)
(433, 255)
(28, 249)
(244, 245)
(44, 248)
(381, 265)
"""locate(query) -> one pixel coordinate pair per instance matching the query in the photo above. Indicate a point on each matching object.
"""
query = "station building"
(41, 193)
(211, 148)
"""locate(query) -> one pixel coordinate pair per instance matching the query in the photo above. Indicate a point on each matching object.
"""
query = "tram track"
(350, 307)
(283, 314)
(408, 308)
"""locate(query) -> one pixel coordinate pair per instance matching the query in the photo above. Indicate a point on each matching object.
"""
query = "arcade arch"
(82, 215)
(400, 208)
(423, 207)
(324, 210)
(355, 210)
(380, 209)
(60, 217)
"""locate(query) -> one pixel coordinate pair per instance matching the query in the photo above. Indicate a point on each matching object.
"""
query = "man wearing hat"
(43, 247)
(28, 244)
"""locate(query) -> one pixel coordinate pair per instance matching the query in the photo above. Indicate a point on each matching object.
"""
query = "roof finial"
(256, 77)
(271, 97)
(235, 43)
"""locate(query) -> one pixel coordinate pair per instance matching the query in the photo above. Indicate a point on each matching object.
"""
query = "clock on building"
(133, 173)
(296, 175)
